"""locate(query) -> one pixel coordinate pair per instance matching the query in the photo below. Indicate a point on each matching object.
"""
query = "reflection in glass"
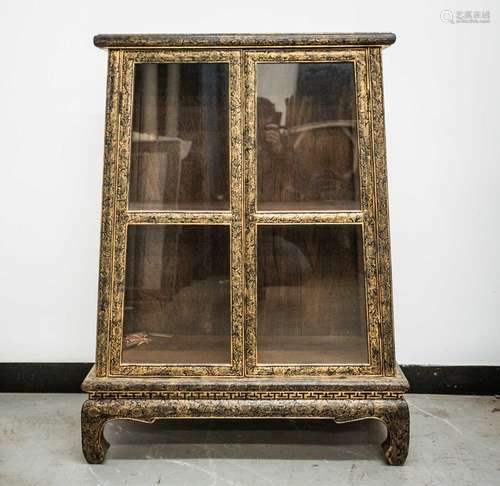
(180, 144)
(177, 296)
(311, 305)
(306, 137)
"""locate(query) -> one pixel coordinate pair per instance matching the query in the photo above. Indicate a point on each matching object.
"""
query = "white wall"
(442, 107)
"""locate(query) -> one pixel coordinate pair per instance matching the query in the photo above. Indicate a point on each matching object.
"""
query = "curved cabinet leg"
(94, 445)
(396, 416)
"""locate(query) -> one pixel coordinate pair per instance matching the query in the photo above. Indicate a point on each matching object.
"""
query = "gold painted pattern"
(107, 216)
(382, 212)
(159, 217)
(354, 217)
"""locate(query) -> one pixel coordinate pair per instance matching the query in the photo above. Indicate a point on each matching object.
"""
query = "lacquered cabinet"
(245, 261)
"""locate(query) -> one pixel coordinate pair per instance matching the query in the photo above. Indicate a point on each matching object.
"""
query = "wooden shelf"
(309, 350)
(181, 349)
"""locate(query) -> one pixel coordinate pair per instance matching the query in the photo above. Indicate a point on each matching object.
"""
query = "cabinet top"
(120, 41)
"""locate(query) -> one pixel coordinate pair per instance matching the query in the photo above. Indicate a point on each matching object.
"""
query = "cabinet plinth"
(245, 260)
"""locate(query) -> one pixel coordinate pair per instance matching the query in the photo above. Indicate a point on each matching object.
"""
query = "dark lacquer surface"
(243, 40)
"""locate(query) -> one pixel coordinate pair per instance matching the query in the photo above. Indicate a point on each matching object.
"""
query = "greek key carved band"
(247, 395)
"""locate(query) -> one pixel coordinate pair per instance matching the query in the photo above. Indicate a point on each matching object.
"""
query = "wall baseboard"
(67, 377)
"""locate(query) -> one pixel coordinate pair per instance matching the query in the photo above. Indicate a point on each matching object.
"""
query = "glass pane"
(306, 137)
(311, 304)
(177, 296)
(180, 142)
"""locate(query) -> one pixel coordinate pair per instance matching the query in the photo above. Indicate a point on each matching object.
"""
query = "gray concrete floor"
(455, 440)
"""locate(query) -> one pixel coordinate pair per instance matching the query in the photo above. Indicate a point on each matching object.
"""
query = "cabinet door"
(311, 246)
(177, 280)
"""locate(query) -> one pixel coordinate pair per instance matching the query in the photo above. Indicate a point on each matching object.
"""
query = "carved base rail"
(392, 411)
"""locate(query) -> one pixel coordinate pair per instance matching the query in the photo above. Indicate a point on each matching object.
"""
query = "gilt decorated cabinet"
(245, 259)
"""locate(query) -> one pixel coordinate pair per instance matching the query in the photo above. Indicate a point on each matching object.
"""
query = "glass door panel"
(177, 295)
(306, 137)
(180, 142)
(311, 295)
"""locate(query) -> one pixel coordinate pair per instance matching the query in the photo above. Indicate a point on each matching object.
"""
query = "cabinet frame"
(243, 216)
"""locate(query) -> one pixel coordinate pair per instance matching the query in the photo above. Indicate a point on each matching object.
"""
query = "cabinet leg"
(396, 416)
(94, 445)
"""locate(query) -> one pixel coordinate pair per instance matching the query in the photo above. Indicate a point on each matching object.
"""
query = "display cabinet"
(245, 262)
